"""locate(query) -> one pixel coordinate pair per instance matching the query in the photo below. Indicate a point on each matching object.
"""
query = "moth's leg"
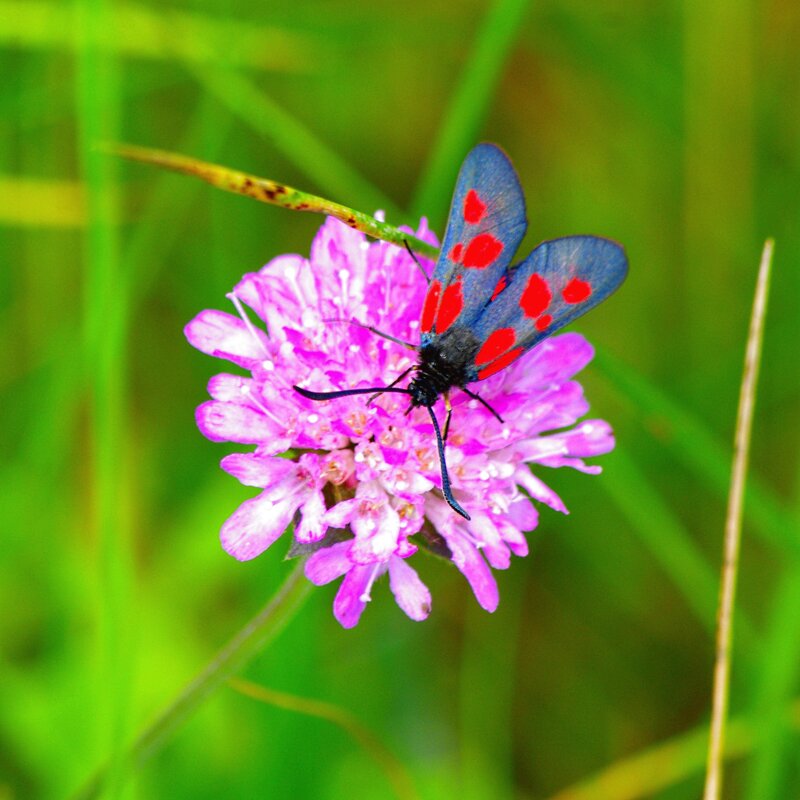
(449, 409)
(481, 400)
(416, 261)
(390, 386)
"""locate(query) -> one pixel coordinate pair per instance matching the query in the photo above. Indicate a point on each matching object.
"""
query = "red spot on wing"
(456, 252)
(500, 363)
(482, 251)
(474, 208)
(536, 297)
(501, 284)
(498, 342)
(430, 306)
(543, 323)
(576, 291)
(450, 308)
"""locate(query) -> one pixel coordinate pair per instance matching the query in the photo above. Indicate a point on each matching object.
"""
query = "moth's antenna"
(416, 261)
(448, 495)
(347, 392)
(374, 330)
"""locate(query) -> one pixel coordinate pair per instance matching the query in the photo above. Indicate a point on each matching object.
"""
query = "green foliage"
(669, 127)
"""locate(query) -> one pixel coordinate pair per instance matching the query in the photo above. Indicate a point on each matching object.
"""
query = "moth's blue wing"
(558, 282)
(484, 229)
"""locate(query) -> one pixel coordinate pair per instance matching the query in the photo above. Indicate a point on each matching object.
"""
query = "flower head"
(363, 484)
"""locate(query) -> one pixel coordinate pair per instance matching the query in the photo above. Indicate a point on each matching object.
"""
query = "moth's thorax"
(443, 364)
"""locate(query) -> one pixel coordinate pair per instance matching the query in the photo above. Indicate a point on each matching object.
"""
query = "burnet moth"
(481, 312)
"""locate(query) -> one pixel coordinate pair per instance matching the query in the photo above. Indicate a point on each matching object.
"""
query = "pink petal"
(409, 591)
(349, 604)
(328, 564)
(483, 529)
(230, 388)
(474, 568)
(257, 523)
(512, 535)
(376, 535)
(219, 334)
(253, 470)
(312, 527)
(231, 422)
(340, 515)
(522, 514)
(553, 361)
(538, 490)
(592, 437)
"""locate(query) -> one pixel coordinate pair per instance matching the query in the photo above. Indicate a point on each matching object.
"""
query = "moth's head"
(422, 392)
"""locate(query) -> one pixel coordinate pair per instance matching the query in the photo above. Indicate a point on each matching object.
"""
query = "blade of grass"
(39, 203)
(147, 248)
(778, 677)
(163, 33)
(668, 763)
(469, 105)
(717, 131)
(640, 74)
(486, 728)
(693, 444)
(309, 154)
(247, 643)
(666, 538)
(104, 371)
(733, 529)
(780, 671)
(389, 764)
(268, 191)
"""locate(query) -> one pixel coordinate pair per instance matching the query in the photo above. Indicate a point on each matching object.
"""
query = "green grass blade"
(304, 149)
(250, 640)
(697, 448)
(469, 105)
(104, 372)
(486, 729)
(778, 677)
(774, 684)
(162, 33)
(41, 203)
(666, 764)
(666, 538)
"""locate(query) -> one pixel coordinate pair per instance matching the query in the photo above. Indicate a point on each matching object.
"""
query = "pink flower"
(363, 485)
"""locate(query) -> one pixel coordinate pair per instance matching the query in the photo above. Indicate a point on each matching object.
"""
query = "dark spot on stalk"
(271, 194)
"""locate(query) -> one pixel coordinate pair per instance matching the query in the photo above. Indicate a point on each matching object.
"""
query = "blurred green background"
(671, 127)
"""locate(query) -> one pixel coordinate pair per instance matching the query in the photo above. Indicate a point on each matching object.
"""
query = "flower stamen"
(238, 305)
(366, 595)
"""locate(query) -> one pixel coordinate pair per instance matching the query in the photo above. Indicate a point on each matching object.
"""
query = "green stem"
(247, 643)
(268, 191)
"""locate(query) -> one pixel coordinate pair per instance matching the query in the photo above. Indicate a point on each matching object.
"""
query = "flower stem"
(733, 529)
(390, 765)
(268, 191)
(248, 642)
